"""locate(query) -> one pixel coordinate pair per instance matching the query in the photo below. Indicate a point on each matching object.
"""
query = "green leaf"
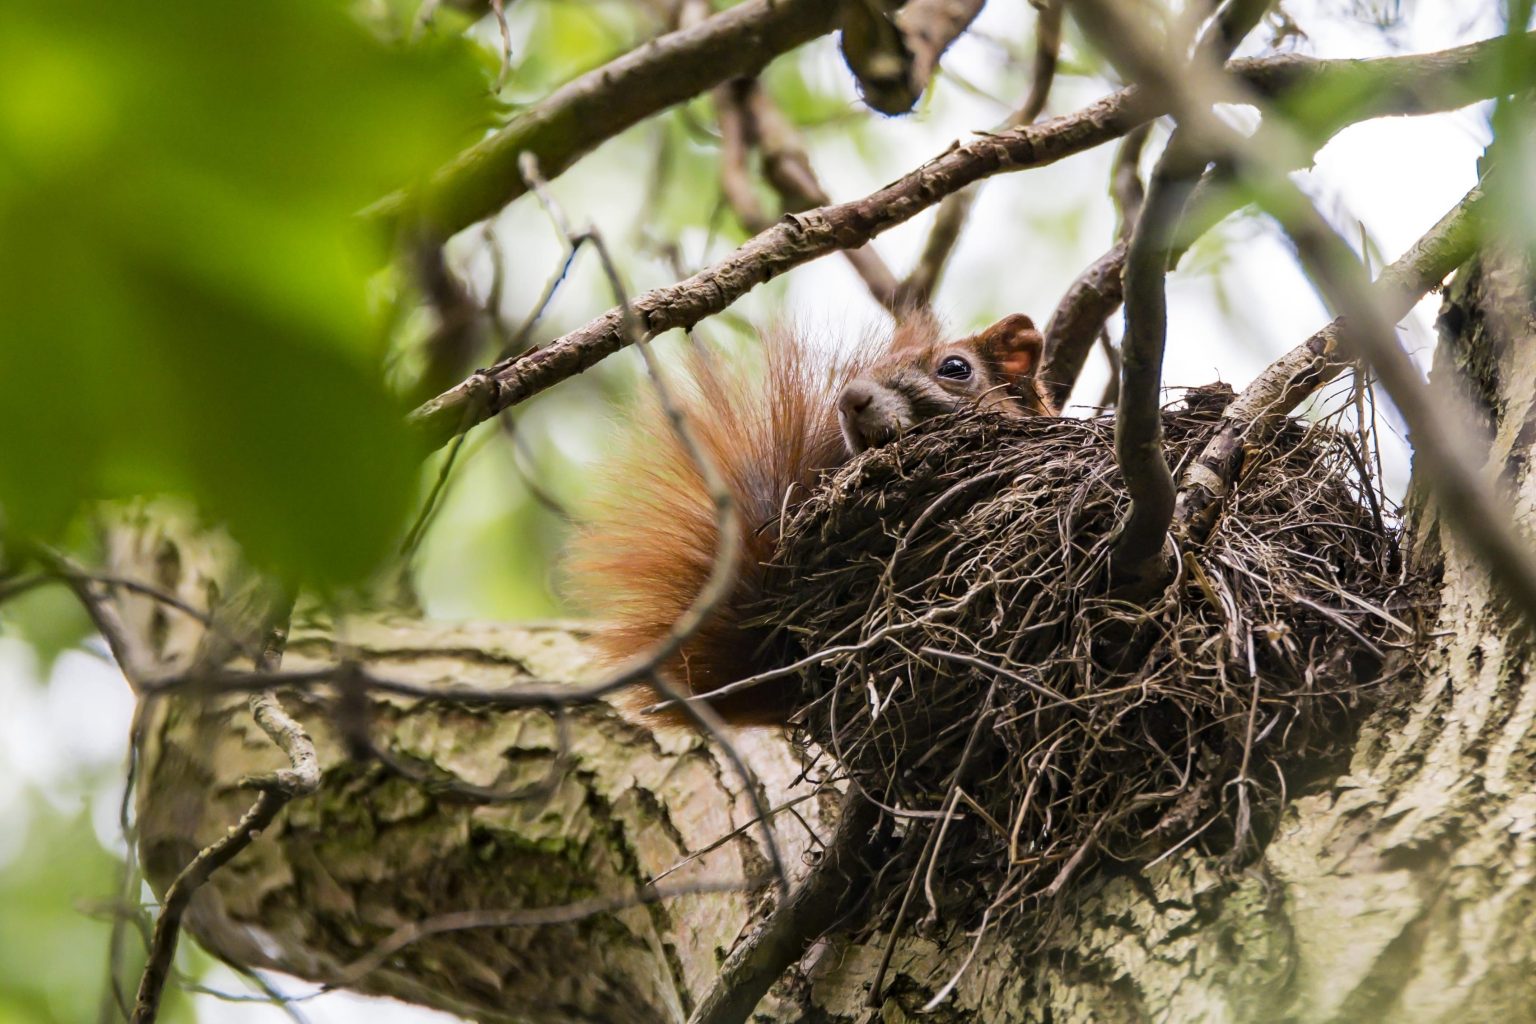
(183, 272)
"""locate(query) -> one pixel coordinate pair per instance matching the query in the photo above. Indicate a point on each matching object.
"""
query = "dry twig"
(1207, 482)
(1447, 457)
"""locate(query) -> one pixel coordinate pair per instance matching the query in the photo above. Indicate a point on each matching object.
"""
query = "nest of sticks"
(972, 671)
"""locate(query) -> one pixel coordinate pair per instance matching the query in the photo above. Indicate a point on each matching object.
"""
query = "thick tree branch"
(1434, 81)
(579, 115)
(1140, 556)
(1288, 381)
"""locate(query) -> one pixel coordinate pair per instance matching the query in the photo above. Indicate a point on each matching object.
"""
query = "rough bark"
(1402, 889)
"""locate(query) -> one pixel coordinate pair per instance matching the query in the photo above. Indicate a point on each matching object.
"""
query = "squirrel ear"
(1013, 347)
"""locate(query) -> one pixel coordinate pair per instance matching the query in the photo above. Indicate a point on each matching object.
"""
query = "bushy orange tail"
(650, 541)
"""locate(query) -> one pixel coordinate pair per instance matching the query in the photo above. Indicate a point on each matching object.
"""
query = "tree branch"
(1418, 83)
(1140, 557)
(1140, 554)
(919, 285)
(587, 111)
(1445, 456)
(1301, 372)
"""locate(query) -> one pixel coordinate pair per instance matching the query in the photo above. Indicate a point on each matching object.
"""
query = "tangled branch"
(1371, 88)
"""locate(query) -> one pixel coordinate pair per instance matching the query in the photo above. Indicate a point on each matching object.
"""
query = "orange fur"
(649, 542)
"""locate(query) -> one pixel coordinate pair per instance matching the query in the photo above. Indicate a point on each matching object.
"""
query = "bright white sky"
(1394, 177)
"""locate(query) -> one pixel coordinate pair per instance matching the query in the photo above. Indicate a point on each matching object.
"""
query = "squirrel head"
(922, 376)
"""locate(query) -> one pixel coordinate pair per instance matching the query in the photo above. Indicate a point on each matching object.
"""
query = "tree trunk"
(1402, 890)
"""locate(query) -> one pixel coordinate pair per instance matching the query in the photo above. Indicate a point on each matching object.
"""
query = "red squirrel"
(649, 544)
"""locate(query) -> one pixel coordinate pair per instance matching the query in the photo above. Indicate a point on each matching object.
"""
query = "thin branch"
(737, 138)
(577, 117)
(787, 168)
(104, 614)
(459, 329)
(1085, 307)
(722, 572)
(1111, 393)
(1125, 187)
(1228, 29)
(1420, 83)
(1207, 482)
(919, 285)
(750, 119)
(275, 791)
(833, 888)
(1447, 459)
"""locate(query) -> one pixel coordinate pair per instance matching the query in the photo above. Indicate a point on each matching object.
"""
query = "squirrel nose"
(855, 398)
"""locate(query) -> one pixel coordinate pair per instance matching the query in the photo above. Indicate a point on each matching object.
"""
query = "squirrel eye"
(955, 368)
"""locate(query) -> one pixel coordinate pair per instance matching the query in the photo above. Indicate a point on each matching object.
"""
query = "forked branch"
(1207, 482)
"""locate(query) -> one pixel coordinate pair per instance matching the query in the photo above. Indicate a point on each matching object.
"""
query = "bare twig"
(1447, 459)
(919, 285)
(722, 573)
(1420, 83)
(1282, 386)
(575, 118)
(275, 791)
(833, 888)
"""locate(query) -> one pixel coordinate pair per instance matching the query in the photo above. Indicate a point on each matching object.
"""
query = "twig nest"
(972, 665)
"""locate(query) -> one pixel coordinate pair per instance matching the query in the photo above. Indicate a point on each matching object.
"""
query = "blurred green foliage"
(184, 272)
(55, 927)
